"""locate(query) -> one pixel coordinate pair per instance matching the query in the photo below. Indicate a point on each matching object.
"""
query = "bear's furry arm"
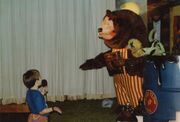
(94, 63)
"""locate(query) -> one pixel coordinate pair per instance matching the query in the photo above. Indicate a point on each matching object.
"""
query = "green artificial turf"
(82, 111)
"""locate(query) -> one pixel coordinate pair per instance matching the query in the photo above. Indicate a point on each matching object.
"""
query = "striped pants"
(128, 88)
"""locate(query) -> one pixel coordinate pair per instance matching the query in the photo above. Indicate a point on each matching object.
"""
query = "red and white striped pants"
(128, 88)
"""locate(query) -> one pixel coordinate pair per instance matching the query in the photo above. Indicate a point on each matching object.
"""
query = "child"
(34, 98)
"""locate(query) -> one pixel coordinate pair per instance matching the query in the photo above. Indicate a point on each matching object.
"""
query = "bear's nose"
(99, 29)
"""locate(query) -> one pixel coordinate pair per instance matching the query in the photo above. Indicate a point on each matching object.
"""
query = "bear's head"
(118, 27)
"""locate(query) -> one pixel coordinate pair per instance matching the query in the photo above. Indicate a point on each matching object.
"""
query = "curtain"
(55, 37)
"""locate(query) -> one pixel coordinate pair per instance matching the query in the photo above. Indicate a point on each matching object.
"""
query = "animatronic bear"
(119, 29)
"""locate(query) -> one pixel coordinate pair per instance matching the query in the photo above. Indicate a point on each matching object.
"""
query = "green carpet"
(82, 111)
(73, 111)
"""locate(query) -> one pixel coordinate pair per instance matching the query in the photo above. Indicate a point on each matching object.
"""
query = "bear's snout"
(100, 29)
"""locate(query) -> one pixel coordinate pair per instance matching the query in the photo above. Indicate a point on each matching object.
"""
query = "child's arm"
(51, 109)
(39, 104)
(57, 109)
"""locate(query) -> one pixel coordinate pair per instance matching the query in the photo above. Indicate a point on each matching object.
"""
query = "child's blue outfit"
(35, 101)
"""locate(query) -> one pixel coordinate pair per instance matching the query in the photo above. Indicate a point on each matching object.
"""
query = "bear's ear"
(108, 12)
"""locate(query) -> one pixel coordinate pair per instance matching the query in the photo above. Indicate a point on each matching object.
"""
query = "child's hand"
(57, 109)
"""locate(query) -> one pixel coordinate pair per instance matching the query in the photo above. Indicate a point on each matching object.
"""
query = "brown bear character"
(116, 30)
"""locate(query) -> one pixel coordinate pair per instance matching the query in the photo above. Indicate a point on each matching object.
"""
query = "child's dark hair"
(30, 77)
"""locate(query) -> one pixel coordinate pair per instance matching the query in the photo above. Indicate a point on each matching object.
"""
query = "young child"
(35, 99)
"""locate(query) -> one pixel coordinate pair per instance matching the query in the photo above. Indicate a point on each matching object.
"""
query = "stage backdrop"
(55, 37)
